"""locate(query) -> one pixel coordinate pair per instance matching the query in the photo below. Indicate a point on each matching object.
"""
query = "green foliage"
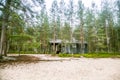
(100, 28)
(102, 55)
(64, 55)
(0, 57)
(66, 32)
(92, 55)
(21, 37)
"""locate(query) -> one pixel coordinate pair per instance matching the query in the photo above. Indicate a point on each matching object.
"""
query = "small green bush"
(92, 55)
(64, 55)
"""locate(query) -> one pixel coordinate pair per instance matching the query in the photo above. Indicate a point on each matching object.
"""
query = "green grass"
(86, 55)
(92, 55)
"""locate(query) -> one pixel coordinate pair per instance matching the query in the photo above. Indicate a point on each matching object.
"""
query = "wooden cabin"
(67, 47)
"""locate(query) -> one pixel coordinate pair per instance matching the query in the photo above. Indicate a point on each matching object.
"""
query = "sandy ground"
(64, 69)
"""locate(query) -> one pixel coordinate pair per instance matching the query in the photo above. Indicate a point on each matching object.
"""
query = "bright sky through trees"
(87, 3)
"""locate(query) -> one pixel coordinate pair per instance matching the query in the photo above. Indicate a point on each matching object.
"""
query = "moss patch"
(92, 55)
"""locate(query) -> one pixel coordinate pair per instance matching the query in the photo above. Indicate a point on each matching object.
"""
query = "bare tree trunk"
(82, 37)
(8, 46)
(82, 41)
(3, 42)
(2, 39)
(107, 38)
(71, 36)
(54, 36)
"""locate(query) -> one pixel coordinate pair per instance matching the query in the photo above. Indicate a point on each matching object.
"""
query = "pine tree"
(80, 13)
(54, 14)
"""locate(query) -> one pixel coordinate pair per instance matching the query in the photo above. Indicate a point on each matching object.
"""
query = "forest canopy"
(27, 26)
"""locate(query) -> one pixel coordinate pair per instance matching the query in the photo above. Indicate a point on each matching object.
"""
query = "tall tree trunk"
(107, 37)
(3, 41)
(82, 37)
(71, 35)
(54, 36)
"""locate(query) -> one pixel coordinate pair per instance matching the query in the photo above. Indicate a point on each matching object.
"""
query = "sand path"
(64, 69)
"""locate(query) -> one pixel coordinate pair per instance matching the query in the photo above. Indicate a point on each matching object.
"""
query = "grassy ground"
(86, 55)
(92, 55)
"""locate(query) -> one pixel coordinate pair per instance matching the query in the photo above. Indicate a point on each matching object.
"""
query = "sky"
(87, 3)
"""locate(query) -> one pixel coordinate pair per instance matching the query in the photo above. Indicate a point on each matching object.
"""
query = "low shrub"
(91, 55)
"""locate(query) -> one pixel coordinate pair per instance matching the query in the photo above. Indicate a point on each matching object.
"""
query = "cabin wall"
(68, 48)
